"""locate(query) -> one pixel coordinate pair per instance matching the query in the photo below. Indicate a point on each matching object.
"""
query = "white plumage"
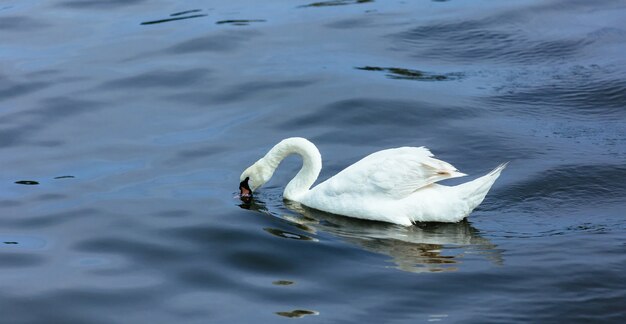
(395, 185)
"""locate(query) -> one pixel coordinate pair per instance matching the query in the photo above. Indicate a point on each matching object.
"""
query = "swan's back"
(389, 174)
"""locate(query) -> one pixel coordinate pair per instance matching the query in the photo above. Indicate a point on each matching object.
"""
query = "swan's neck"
(311, 164)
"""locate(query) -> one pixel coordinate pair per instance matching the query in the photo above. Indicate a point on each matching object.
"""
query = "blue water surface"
(125, 124)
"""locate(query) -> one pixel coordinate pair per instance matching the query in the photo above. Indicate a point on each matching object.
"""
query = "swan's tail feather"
(498, 169)
(476, 190)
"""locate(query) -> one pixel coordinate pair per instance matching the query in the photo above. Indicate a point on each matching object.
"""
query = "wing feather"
(393, 173)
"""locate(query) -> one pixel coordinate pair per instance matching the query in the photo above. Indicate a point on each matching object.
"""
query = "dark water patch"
(253, 89)
(371, 112)
(592, 296)
(50, 196)
(224, 42)
(160, 79)
(10, 90)
(180, 13)
(27, 182)
(359, 22)
(408, 74)
(189, 155)
(6, 203)
(261, 261)
(242, 92)
(49, 220)
(174, 213)
(160, 21)
(20, 260)
(560, 6)
(205, 235)
(20, 24)
(129, 247)
(28, 121)
(112, 297)
(75, 304)
(570, 186)
(608, 34)
(13, 136)
(240, 22)
(47, 143)
(44, 73)
(297, 313)
(197, 98)
(210, 269)
(333, 3)
(206, 277)
(21, 311)
(98, 4)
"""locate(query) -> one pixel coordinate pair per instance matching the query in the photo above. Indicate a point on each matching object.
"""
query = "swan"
(395, 185)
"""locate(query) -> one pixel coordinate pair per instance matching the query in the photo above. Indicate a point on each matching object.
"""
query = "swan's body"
(395, 185)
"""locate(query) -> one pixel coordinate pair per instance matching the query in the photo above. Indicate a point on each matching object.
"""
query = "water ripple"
(333, 3)
(222, 42)
(569, 186)
(581, 90)
(159, 78)
(469, 41)
(98, 4)
(21, 24)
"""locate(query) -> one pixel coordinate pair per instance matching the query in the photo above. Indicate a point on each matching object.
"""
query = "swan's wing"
(394, 173)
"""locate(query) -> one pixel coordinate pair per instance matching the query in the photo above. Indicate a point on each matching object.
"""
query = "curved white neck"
(311, 164)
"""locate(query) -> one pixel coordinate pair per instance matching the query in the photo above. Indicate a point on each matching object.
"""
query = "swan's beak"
(244, 188)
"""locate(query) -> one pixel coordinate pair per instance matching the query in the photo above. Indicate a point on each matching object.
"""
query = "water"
(124, 126)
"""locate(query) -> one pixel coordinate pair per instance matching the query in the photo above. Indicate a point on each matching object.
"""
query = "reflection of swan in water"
(428, 247)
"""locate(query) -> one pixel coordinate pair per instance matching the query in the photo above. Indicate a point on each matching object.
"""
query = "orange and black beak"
(244, 188)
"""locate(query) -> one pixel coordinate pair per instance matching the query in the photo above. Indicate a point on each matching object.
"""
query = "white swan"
(395, 185)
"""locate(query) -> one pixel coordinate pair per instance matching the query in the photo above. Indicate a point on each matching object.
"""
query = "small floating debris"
(65, 177)
(283, 282)
(185, 12)
(335, 3)
(27, 182)
(239, 22)
(297, 313)
(176, 17)
(171, 19)
(408, 74)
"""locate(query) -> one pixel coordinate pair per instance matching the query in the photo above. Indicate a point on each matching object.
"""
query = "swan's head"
(254, 177)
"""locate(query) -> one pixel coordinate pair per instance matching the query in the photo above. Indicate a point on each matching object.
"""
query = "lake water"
(125, 124)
